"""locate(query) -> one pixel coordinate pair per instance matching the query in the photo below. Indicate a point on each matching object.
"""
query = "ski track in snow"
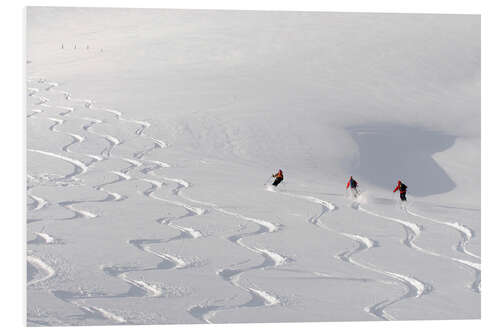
(43, 238)
(203, 312)
(168, 261)
(206, 313)
(75, 138)
(91, 312)
(104, 313)
(39, 263)
(144, 289)
(79, 169)
(466, 234)
(413, 231)
(414, 287)
(39, 202)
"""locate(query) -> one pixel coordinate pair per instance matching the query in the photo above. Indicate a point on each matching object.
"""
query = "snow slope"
(151, 134)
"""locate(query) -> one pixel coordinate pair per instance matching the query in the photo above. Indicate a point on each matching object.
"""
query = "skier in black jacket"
(402, 190)
(354, 186)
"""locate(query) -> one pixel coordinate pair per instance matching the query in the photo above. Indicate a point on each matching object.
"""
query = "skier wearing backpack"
(354, 186)
(402, 190)
(278, 177)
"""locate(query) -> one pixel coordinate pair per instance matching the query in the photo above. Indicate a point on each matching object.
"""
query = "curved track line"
(33, 112)
(112, 141)
(156, 185)
(80, 167)
(185, 231)
(467, 235)
(415, 288)
(413, 231)
(144, 245)
(40, 202)
(113, 196)
(76, 139)
(69, 204)
(158, 144)
(104, 313)
(94, 312)
(145, 289)
(271, 260)
(465, 232)
(44, 238)
(40, 264)
(179, 263)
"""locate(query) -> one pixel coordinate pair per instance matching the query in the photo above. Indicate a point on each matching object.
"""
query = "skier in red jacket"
(354, 186)
(402, 190)
(278, 177)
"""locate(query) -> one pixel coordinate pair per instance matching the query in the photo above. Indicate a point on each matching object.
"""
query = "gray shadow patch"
(388, 152)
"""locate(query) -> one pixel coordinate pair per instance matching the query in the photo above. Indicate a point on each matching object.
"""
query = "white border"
(12, 198)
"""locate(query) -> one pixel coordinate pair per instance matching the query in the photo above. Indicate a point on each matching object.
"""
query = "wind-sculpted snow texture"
(148, 144)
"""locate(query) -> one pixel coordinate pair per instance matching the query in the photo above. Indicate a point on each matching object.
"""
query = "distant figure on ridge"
(279, 177)
(402, 190)
(354, 186)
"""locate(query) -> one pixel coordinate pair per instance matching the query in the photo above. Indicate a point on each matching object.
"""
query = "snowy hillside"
(151, 134)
